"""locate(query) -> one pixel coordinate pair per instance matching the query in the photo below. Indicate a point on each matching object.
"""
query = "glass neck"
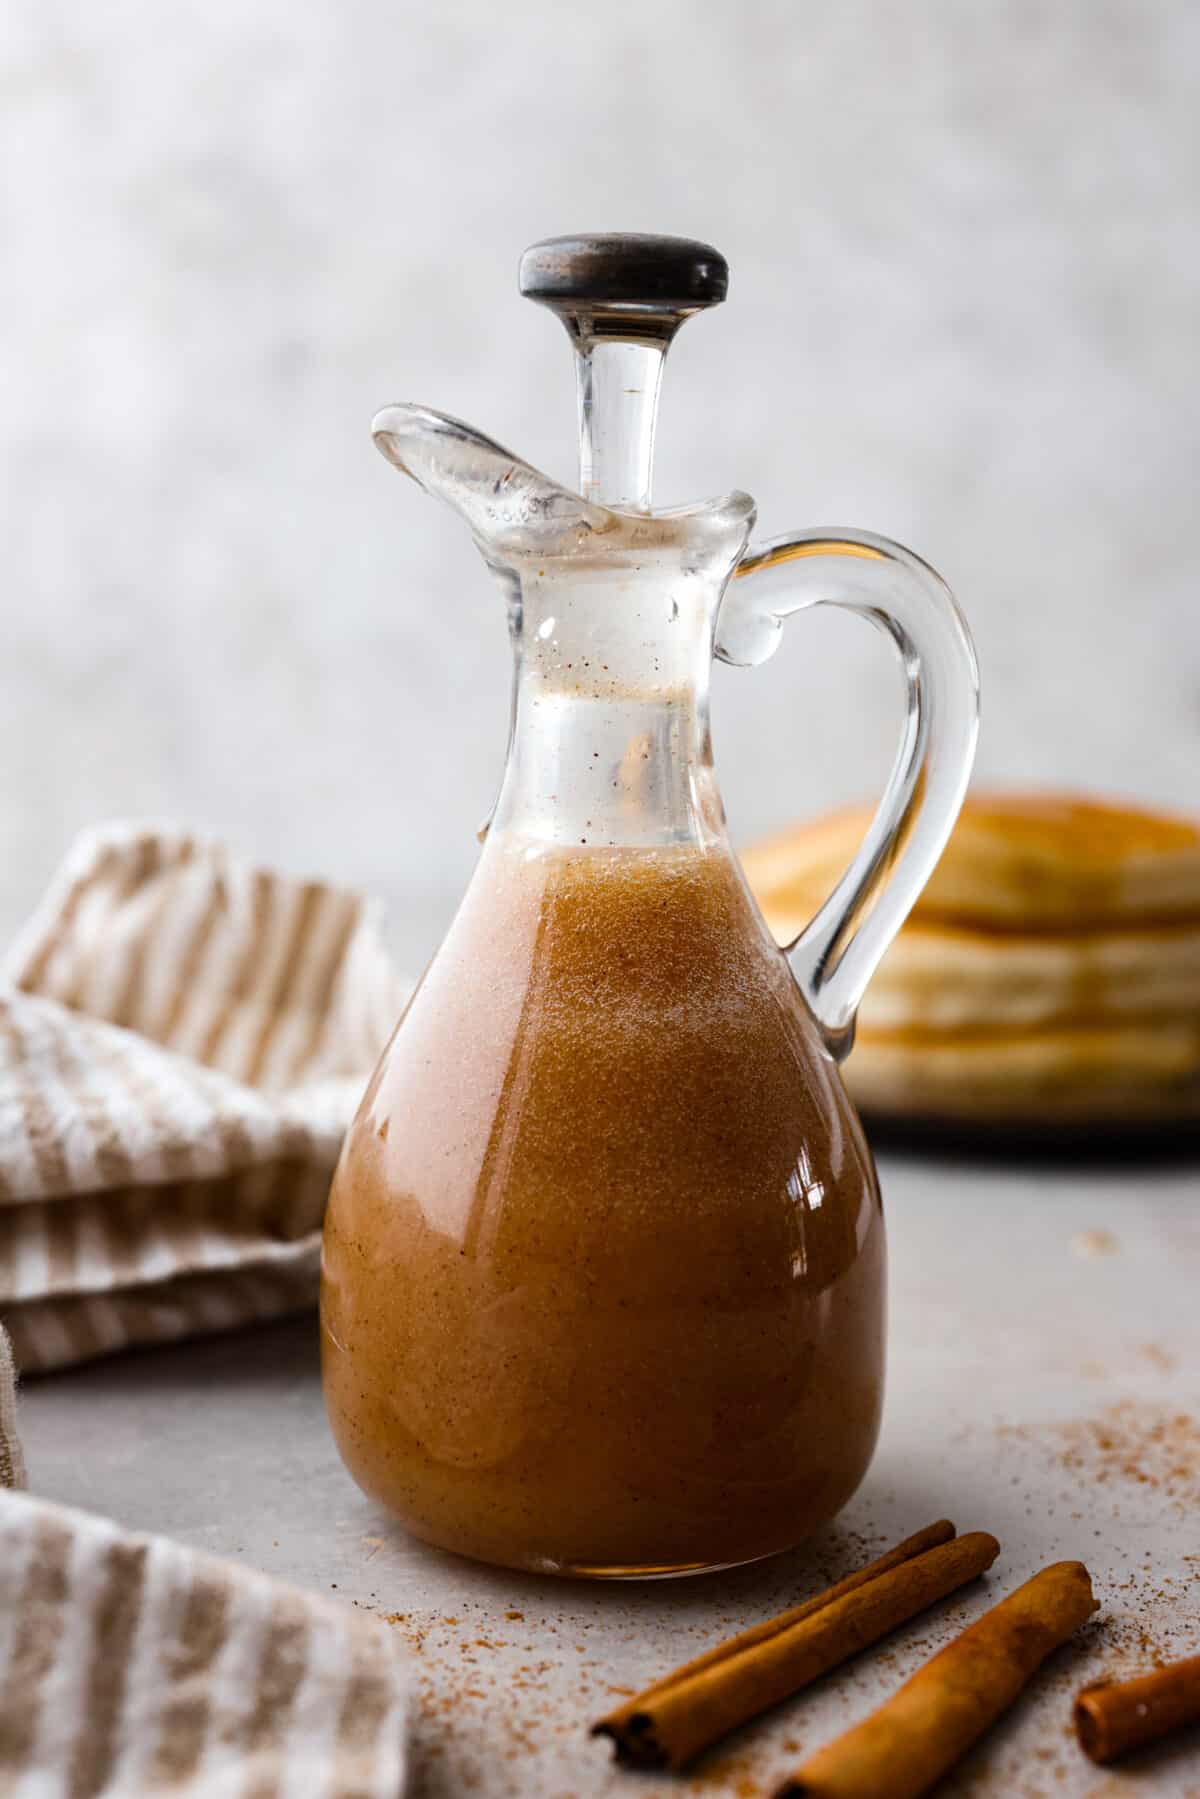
(610, 738)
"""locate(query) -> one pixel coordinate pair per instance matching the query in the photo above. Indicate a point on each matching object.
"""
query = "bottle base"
(673, 1571)
(568, 1568)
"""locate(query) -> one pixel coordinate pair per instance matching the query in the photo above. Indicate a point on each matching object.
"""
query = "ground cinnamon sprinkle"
(464, 1696)
(1129, 1443)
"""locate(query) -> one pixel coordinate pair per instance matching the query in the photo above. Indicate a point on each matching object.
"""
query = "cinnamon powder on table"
(1130, 1442)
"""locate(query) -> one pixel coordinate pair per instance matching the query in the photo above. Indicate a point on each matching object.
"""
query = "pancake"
(1050, 972)
(1029, 862)
(946, 978)
(1129, 1074)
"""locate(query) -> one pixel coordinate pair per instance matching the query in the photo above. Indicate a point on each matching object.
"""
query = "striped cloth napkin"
(132, 1666)
(183, 1040)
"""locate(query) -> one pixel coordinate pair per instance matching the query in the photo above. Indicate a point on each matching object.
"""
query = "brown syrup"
(603, 1274)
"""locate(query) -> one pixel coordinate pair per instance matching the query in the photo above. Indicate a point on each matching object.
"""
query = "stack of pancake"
(1050, 973)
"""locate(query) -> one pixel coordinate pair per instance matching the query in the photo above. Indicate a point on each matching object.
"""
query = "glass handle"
(837, 953)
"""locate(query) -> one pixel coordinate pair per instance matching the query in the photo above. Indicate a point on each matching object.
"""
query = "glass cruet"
(603, 1270)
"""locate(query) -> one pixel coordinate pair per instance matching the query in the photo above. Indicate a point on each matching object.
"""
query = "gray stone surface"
(963, 311)
(1045, 1344)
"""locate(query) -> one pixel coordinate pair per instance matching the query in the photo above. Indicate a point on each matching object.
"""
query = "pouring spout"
(508, 505)
(528, 524)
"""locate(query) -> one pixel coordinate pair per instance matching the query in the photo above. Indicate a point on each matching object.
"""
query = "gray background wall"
(963, 311)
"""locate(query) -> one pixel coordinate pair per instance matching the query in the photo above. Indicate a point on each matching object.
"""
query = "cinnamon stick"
(906, 1746)
(1116, 1716)
(933, 1534)
(669, 1724)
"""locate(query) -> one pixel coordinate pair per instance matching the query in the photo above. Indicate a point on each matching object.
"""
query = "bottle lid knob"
(622, 298)
(612, 272)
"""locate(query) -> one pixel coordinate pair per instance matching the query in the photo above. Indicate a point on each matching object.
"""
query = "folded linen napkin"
(183, 1040)
(130, 1665)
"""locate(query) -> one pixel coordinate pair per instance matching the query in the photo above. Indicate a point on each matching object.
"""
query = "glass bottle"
(603, 1273)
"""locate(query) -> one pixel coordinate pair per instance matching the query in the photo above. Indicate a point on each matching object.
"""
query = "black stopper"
(608, 272)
